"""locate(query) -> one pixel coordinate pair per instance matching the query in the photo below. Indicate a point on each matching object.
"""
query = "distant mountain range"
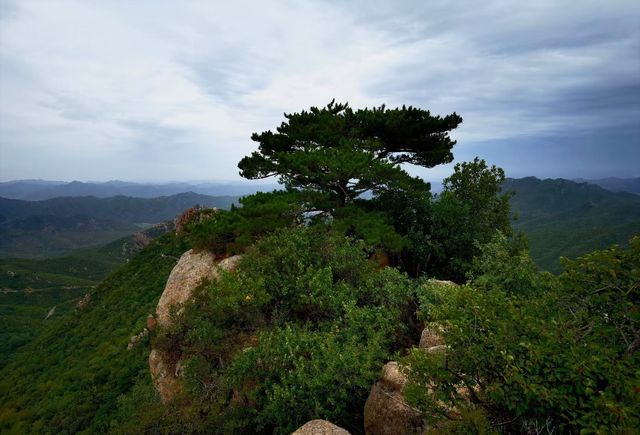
(565, 218)
(560, 217)
(37, 190)
(60, 225)
(613, 184)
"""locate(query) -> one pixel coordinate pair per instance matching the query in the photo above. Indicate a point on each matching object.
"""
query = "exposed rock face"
(429, 338)
(151, 322)
(84, 301)
(164, 375)
(229, 264)
(386, 412)
(133, 342)
(320, 427)
(192, 270)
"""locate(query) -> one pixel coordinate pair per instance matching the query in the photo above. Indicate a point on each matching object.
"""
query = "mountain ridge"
(615, 184)
(38, 190)
(36, 229)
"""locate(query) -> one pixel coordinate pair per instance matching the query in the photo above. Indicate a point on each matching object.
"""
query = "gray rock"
(386, 412)
(320, 427)
(192, 270)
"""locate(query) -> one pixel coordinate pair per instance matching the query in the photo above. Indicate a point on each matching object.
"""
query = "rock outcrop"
(430, 337)
(386, 412)
(192, 270)
(133, 341)
(320, 427)
(164, 374)
(84, 301)
(151, 322)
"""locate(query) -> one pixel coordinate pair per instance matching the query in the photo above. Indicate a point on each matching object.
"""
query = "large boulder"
(192, 270)
(320, 427)
(431, 337)
(386, 412)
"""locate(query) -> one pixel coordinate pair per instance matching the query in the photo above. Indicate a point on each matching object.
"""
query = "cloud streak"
(156, 90)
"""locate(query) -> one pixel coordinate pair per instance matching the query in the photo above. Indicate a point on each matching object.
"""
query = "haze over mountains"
(614, 184)
(560, 217)
(36, 190)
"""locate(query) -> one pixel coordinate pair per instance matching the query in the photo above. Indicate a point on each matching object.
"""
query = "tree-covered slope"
(34, 292)
(39, 229)
(564, 218)
(70, 377)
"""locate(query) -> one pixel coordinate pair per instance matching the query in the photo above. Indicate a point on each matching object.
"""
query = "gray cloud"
(162, 90)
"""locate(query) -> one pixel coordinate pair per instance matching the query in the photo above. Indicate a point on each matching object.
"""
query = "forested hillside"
(38, 229)
(565, 218)
(70, 377)
(117, 208)
(35, 292)
(615, 184)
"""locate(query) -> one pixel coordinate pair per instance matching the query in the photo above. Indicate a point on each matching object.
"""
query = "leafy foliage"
(470, 209)
(563, 356)
(234, 231)
(442, 235)
(307, 320)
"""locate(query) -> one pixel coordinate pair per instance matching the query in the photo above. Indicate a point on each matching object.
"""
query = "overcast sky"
(151, 90)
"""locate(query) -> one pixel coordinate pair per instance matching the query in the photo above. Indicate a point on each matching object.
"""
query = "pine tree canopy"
(336, 153)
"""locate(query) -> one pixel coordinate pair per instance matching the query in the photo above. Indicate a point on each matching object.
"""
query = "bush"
(563, 357)
(232, 232)
(298, 332)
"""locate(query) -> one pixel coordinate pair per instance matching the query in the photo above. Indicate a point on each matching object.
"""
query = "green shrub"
(563, 357)
(298, 332)
(232, 232)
